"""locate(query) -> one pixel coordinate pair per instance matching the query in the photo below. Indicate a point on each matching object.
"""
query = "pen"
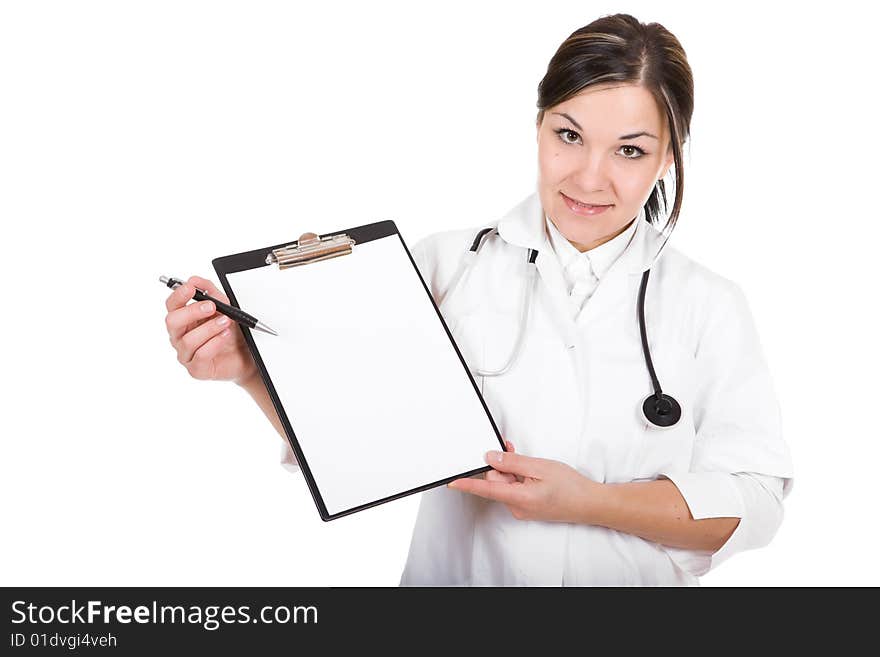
(232, 312)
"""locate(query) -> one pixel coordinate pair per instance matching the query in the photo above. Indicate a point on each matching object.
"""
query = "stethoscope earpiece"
(662, 412)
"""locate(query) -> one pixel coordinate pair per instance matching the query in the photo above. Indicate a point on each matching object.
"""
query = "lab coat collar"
(597, 260)
(523, 226)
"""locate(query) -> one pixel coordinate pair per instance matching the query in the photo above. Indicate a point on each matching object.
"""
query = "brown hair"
(619, 48)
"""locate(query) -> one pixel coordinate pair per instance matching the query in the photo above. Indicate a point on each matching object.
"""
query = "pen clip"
(170, 281)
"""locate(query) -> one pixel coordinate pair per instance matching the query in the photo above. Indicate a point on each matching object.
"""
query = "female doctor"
(629, 377)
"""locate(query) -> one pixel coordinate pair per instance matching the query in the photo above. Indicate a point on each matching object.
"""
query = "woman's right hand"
(208, 344)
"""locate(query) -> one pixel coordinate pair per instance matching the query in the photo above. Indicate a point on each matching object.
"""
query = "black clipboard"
(291, 259)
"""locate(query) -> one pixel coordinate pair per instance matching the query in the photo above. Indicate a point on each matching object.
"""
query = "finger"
(528, 466)
(179, 296)
(208, 286)
(180, 321)
(494, 475)
(194, 339)
(494, 490)
(202, 365)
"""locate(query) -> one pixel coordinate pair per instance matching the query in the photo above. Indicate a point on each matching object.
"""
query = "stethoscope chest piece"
(661, 413)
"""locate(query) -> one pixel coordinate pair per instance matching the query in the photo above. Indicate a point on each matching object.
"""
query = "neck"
(592, 245)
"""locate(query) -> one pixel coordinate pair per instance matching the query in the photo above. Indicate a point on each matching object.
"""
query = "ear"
(667, 164)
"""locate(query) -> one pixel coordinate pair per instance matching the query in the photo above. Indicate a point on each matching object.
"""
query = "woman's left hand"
(533, 488)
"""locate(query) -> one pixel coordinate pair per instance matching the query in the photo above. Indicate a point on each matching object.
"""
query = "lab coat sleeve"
(421, 252)
(755, 499)
(741, 466)
(438, 256)
(288, 458)
(426, 254)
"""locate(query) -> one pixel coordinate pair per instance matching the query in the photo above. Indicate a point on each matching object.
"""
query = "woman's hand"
(208, 344)
(533, 488)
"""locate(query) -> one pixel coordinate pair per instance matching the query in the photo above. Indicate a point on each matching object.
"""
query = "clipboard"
(372, 391)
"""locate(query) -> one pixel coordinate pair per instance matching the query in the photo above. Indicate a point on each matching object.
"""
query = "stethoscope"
(658, 409)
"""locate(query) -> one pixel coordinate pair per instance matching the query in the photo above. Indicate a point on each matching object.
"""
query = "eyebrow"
(629, 136)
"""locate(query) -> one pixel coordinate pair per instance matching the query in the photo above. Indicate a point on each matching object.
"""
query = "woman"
(594, 493)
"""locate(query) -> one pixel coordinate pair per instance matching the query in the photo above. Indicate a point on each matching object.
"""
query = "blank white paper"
(370, 382)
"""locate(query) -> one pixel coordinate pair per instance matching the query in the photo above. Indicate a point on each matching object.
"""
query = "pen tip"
(262, 327)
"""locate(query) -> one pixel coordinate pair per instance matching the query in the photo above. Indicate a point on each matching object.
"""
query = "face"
(606, 146)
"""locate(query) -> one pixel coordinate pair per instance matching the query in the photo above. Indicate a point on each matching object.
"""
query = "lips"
(583, 210)
(587, 205)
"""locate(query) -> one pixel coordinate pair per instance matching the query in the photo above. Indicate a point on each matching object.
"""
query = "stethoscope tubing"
(658, 409)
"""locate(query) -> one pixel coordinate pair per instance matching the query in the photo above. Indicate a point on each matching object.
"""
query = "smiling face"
(607, 146)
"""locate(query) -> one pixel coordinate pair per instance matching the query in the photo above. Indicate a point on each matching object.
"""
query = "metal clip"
(310, 248)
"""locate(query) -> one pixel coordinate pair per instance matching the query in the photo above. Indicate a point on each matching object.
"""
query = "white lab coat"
(574, 396)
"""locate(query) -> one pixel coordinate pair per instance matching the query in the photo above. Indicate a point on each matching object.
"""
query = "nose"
(591, 175)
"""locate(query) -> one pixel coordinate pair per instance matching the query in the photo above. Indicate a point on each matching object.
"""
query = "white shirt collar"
(598, 259)
(525, 225)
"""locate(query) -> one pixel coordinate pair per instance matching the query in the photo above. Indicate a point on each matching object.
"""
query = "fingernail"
(223, 320)
(206, 306)
(493, 456)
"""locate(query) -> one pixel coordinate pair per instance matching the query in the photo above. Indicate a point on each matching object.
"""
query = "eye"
(635, 148)
(564, 133)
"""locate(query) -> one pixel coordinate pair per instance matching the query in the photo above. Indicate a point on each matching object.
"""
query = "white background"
(146, 138)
